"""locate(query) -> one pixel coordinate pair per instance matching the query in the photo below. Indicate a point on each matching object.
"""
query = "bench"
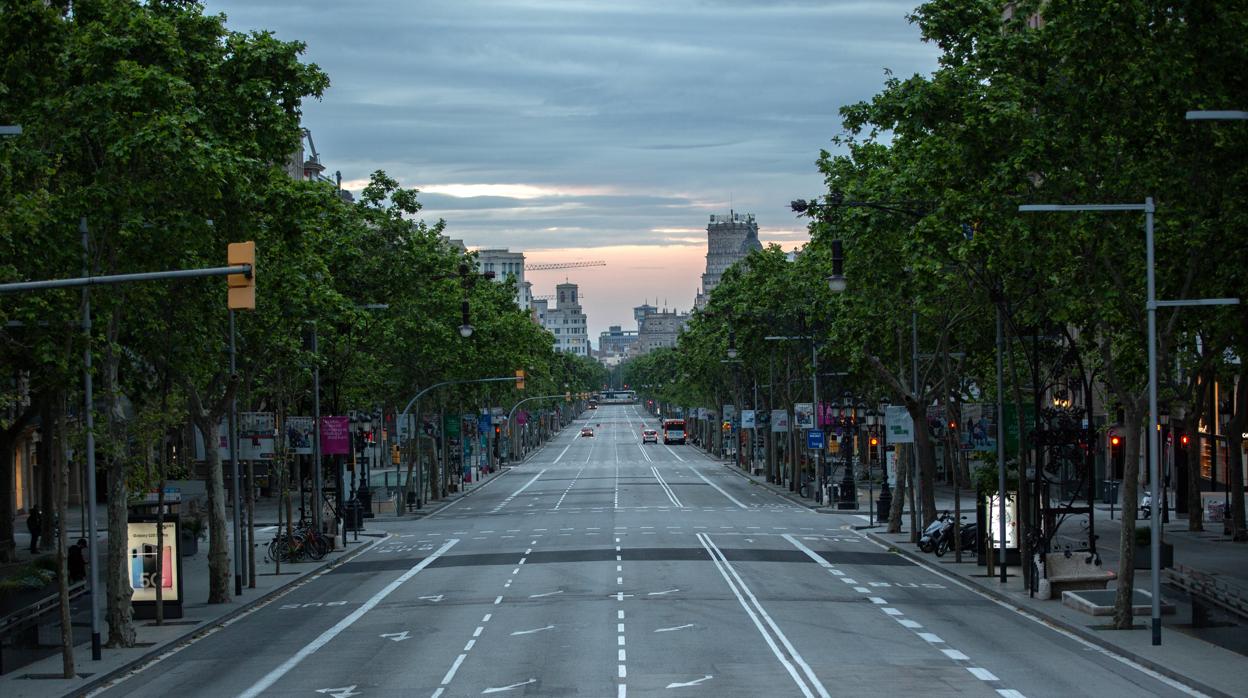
(1206, 591)
(1073, 573)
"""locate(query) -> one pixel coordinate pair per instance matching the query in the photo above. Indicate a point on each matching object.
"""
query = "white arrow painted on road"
(344, 692)
(434, 599)
(549, 593)
(507, 688)
(660, 593)
(397, 637)
(534, 630)
(678, 627)
(695, 682)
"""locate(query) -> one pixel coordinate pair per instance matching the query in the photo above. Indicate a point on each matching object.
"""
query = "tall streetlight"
(1151, 304)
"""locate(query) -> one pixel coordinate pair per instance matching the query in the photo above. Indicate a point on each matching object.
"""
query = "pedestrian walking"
(34, 524)
(77, 560)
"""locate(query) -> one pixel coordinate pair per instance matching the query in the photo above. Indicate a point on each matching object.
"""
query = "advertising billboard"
(804, 415)
(299, 434)
(335, 436)
(142, 553)
(747, 419)
(779, 421)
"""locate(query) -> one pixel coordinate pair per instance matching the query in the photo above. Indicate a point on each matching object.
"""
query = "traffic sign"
(814, 439)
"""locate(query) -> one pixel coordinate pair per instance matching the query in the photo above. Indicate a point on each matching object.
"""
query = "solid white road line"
(285, 667)
(565, 450)
(643, 452)
(667, 489)
(721, 491)
(722, 564)
(669, 450)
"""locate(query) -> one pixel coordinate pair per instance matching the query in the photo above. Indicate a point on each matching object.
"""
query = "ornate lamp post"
(849, 421)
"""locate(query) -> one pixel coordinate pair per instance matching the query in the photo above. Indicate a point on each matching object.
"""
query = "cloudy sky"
(593, 129)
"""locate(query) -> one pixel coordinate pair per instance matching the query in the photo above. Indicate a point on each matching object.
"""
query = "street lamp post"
(1151, 305)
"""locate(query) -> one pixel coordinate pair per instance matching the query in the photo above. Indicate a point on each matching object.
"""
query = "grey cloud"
(684, 108)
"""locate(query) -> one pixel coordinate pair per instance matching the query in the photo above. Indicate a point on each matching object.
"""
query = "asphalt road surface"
(602, 567)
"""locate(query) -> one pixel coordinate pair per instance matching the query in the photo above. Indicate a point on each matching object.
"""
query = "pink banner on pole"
(335, 436)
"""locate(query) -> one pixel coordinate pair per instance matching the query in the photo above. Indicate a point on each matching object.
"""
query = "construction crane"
(563, 265)
(552, 296)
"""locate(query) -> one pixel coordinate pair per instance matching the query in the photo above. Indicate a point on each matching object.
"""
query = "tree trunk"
(218, 547)
(1132, 448)
(1235, 459)
(45, 460)
(118, 613)
(900, 468)
(1195, 505)
(927, 462)
(58, 464)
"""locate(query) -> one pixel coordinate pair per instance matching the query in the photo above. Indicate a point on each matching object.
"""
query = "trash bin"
(353, 515)
(1109, 491)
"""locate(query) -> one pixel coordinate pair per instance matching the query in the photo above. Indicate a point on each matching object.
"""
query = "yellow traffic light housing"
(242, 287)
(520, 379)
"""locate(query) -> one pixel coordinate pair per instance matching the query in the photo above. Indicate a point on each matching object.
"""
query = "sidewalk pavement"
(42, 678)
(1211, 660)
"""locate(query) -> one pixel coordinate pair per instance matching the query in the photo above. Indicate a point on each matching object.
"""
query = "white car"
(649, 436)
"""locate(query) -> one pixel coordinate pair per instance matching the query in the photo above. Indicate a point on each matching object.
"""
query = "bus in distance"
(673, 431)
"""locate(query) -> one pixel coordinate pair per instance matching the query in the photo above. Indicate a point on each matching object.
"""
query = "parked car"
(649, 436)
(587, 431)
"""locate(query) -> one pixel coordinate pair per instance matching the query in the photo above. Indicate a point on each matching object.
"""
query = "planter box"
(1144, 556)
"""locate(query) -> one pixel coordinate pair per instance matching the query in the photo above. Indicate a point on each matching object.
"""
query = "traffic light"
(1117, 459)
(242, 287)
(520, 379)
(1184, 440)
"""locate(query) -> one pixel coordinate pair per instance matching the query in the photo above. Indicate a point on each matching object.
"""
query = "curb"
(253, 604)
(817, 508)
(1080, 632)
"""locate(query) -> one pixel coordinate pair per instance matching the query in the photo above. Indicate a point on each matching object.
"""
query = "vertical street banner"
(257, 435)
(335, 436)
(747, 419)
(898, 424)
(779, 421)
(730, 412)
(299, 434)
(804, 415)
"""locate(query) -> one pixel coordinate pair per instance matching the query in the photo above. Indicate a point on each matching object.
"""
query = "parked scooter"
(1146, 506)
(967, 533)
(931, 534)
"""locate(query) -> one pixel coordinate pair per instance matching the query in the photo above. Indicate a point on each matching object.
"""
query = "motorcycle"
(931, 534)
(1146, 506)
(967, 534)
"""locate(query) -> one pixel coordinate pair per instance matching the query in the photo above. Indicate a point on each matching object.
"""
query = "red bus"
(673, 431)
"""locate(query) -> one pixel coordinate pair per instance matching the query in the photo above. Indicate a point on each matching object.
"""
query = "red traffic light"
(1117, 441)
(1184, 439)
(875, 441)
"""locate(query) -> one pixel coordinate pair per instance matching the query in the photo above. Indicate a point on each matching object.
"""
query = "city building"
(659, 328)
(640, 312)
(615, 344)
(507, 265)
(566, 321)
(728, 239)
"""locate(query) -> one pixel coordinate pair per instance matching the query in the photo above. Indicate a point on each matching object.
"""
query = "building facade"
(507, 265)
(615, 344)
(566, 321)
(659, 329)
(728, 239)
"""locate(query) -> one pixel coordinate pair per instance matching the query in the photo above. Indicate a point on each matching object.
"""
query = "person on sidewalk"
(34, 524)
(76, 558)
